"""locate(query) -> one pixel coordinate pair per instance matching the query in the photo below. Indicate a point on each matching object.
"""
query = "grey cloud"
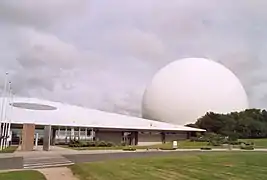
(103, 53)
(39, 13)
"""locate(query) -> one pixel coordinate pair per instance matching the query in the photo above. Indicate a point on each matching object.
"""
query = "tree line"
(250, 123)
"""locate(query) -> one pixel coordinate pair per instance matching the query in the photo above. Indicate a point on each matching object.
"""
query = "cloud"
(101, 54)
(40, 13)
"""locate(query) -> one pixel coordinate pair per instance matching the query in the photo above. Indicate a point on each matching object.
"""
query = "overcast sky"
(102, 53)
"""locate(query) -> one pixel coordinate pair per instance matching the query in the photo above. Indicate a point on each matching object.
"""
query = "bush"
(247, 147)
(167, 149)
(102, 144)
(234, 142)
(83, 144)
(199, 139)
(129, 149)
(91, 144)
(206, 148)
(74, 145)
(215, 143)
(110, 144)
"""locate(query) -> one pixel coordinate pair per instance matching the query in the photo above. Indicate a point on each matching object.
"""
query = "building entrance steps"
(55, 160)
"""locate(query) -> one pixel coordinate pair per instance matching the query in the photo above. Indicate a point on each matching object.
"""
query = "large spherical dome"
(186, 89)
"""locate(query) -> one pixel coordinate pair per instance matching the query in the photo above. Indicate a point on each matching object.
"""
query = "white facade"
(42, 112)
(186, 89)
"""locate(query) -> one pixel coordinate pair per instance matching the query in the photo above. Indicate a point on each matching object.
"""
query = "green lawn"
(259, 143)
(194, 166)
(10, 149)
(93, 148)
(22, 175)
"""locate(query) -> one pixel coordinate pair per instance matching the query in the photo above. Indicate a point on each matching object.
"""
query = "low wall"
(109, 136)
(169, 137)
(145, 139)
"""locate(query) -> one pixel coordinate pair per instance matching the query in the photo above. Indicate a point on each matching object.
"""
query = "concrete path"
(60, 173)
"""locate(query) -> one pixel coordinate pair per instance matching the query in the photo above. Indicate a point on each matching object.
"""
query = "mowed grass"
(22, 175)
(186, 144)
(194, 166)
(259, 143)
(9, 149)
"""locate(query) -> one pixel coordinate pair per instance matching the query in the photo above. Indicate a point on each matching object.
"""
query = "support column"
(72, 134)
(163, 138)
(93, 134)
(188, 135)
(136, 138)
(53, 143)
(133, 138)
(47, 137)
(79, 134)
(58, 132)
(36, 140)
(66, 135)
(28, 137)
(122, 138)
(85, 137)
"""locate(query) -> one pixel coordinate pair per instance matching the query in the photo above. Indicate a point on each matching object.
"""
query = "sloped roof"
(43, 112)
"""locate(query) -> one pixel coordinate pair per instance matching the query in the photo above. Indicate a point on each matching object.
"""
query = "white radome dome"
(186, 89)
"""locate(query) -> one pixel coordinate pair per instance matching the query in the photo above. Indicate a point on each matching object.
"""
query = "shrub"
(215, 143)
(110, 144)
(129, 149)
(199, 139)
(91, 144)
(234, 142)
(247, 146)
(83, 144)
(168, 148)
(250, 147)
(102, 144)
(206, 148)
(74, 145)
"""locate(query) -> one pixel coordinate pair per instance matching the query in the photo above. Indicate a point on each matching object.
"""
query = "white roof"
(61, 114)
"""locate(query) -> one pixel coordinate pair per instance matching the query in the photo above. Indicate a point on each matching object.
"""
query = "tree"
(251, 123)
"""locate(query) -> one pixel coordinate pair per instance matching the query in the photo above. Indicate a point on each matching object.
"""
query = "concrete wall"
(109, 136)
(47, 138)
(145, 139)
(176, 137)
(28, 137)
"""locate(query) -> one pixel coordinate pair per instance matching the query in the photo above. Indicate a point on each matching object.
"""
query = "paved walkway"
(60, 173)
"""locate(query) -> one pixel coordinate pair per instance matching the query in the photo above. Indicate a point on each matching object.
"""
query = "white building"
(65, 121)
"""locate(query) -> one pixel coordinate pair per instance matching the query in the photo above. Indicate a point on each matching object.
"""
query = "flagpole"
(2, 108)
(2, 145)
(10, 118)
(7, 113)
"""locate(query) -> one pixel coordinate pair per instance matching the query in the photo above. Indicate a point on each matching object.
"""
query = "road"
(11, 163)
(19, 162)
